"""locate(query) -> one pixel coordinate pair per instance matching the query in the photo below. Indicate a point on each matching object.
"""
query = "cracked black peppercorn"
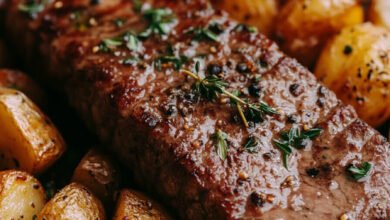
(292, 119)
(257, 199)
(214, 69)
(170, 110)
(254, 90)
(347, 50)
(242, 68)
(312, 172)
(296, 89)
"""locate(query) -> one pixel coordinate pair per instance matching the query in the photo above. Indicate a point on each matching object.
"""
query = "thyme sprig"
(294, 138)
(212, 86)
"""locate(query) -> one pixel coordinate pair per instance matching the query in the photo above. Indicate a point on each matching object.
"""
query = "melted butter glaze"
(126, 105)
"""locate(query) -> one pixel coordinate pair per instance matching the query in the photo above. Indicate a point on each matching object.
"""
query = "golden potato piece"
(21, 195)
(259, 13)
(73, 202)
(98, 173)
(379, 13)
(356, 65)
(28, 140)
(135, 205)
(20, 81)
(304, 26)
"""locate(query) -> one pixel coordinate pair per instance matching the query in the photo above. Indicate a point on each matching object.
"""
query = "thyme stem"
(239, 102)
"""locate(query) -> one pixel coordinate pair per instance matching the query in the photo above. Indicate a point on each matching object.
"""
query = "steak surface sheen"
(146, 111)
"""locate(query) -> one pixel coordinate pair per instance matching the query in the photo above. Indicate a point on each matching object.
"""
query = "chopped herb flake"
(358, 172)
(294, 138)
(160, 22)
(220, 139)
(251, 145)
(32, 8)
(244, 27)
(210, 87)
(202, 34)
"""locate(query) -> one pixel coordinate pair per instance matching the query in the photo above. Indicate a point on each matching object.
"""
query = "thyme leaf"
(160, 21)
(251, 145)
(203, 34)
(358, 172)
(128, 39)
(32, 8)
(220, 139)
(294, 138)
(210, 87)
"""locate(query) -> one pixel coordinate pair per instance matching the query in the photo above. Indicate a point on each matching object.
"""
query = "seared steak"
(119, 65)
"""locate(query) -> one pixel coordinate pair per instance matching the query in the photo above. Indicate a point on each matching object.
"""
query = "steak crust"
(162, 131)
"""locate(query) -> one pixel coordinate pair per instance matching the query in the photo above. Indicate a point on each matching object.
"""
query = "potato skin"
(355, 65)
(379, 13)
(135, 205)
(21, 195)
(20, 81)
(99, 174)
(28, 139)
(304, 26)
(73, 202)
(258, 13)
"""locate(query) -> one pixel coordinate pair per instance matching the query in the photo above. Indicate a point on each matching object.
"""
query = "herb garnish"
(358, 172)
(209, 33)
(244, 27)
(132, 42)
(212, 86)
(129, 61)
(32, 8)
(160, 20)
(137, 4)
(251, 145)
(128, 39)
(108, 44)
(209, 87)
(220, 138)
(294, 138)
(119, 22)
(201, 34)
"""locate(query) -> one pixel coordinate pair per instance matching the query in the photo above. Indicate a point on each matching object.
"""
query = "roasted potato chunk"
(99, 174)
(356, 65)
(259, 13)
(73, 202)
(21, 195)
(28, 139)
(304, 26)
(379, 13)
(20, 81)
(134, 205)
